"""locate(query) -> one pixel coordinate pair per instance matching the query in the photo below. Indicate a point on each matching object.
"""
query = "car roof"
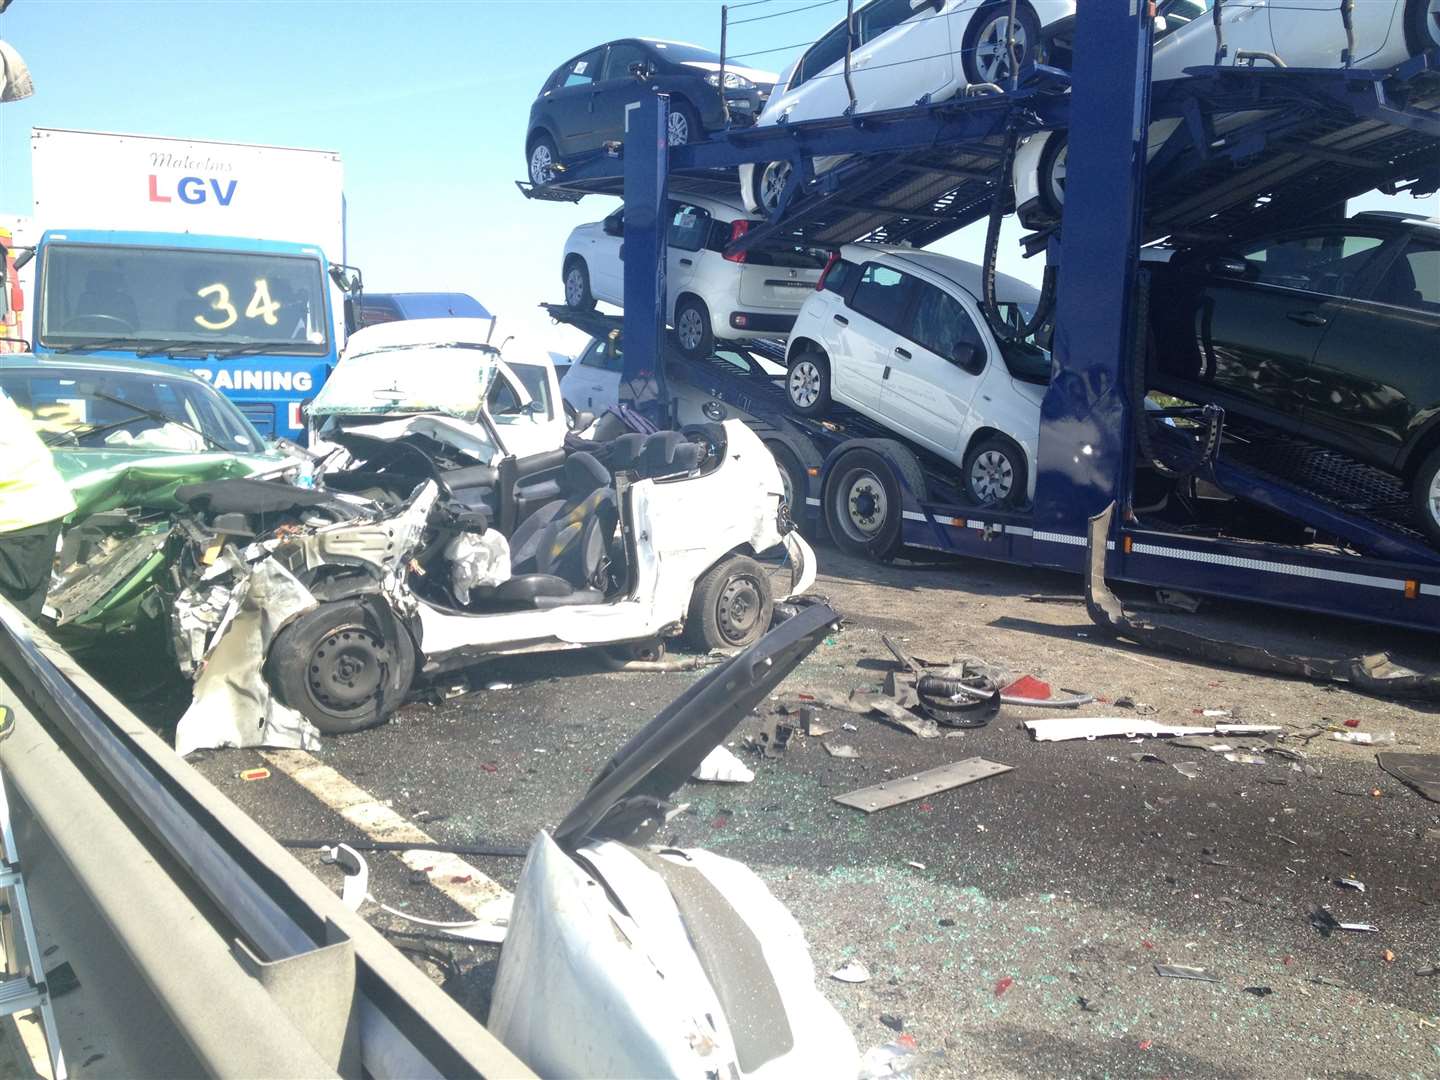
(97, 364)
(401, 332)
(967, 275)
(1399, 217)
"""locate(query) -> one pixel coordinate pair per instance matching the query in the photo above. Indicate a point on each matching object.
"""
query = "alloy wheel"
(1432, 23)
(677, 128)
(992, 54)
(542, 165)
(574, 287)
(1058, 170)
(772, 183)
(1432, 500)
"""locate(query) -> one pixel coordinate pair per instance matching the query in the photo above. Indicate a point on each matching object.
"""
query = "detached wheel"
(543, 159)
(995, 472)
(577, 285)
(1425, 495)
(986, 53)
(692, 327)
(731, 606)
(332, 665)
(807, 385)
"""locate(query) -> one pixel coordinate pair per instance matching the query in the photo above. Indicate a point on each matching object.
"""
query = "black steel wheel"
(731, 606)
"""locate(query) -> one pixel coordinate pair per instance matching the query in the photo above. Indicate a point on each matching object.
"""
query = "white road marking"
(482, 896)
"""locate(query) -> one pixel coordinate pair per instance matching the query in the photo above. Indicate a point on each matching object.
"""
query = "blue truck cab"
(253, 317)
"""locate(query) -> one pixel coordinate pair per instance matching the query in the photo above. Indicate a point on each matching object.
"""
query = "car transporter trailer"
(1306, 141)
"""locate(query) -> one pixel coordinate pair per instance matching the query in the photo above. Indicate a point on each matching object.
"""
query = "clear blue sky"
(425, 101)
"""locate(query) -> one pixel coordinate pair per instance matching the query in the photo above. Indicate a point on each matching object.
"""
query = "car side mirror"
(22, 256)
(1161, 25)
(614, 226)
(1228, 266)
(967, 356)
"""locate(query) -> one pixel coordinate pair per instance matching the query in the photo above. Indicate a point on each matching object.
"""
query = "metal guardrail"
(257, 964)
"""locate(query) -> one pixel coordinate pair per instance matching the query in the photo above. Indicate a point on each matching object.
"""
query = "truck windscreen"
(158, 297)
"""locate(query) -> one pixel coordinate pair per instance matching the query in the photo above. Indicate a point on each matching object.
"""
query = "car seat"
(570, 537)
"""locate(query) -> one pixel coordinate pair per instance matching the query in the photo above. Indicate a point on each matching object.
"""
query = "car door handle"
(1307, 318)
(842, 320)
(687, 262)
(904, 354)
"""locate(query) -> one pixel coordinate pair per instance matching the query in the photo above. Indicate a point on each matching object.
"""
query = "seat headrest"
(583, 474)
(658, 457)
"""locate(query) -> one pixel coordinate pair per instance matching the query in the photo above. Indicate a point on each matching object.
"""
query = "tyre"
(731, 605)
(1425, 495)
(683, 127)
(995, 472)
(770, 180)
(986, 55)
(577, 284)
(332, 665)
(1053, 162)
(1422, 25)
(792, 478)
(543, 159)
(807, 385)
(692, 327)
(863, 505)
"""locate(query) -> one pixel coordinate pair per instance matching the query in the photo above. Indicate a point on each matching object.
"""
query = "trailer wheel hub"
(868, 506)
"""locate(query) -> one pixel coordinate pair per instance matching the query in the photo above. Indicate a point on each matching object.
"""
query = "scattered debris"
(1260, 991)
(1352, 723)
(849, 727)
(1085, 1005)
(951, 922)
(1028, 688)
(1184, 971)
(1364, 738)
(893, 1022)
(915, 865)
(1176, 600)
(812, 726)
(1003, 985)
(499, 686)
(1388, 956)
(1187, 769)
(895, 792)
(841, 750)
(1241, 758)
(721, 766)
(890, 1060)
(254, 774)
(1061, 729)
(1428, 973)
(1418, 771)
(1324, 921)
(1214, 712)
(851, 972)
(772, 739)
(1144, 755)
(1350, 883)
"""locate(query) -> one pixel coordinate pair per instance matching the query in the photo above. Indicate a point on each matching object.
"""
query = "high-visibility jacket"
(32, 491)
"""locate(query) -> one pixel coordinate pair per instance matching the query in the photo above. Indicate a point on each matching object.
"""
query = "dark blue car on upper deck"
(582, 104)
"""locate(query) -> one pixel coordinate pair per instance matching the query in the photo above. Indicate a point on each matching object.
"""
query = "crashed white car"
(445, 367)
(626, 959)
(315, 609)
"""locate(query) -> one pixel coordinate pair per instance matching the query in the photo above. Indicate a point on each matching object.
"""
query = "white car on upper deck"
(903, 52)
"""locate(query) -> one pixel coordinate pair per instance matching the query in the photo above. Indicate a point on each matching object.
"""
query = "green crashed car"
(124, 436)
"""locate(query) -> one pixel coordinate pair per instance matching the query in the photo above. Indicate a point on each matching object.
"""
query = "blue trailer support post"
(1086, 442)
(647, 173)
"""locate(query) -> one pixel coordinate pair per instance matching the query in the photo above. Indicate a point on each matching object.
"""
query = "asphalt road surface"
(1011, 926)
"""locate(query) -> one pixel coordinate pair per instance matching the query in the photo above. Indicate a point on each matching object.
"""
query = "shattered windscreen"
(450, 379)
(115, 410)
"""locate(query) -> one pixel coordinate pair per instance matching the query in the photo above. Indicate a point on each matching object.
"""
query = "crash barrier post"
(244, 963)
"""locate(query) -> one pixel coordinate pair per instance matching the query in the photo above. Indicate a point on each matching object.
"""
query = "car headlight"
(732, 81)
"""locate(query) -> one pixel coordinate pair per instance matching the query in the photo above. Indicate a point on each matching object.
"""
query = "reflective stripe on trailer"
(1269, 567)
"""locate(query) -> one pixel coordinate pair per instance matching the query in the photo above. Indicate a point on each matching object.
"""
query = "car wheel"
(1053, 163)
(577, 285)
(731, 606)
(683, 127)
(1422, 25)
(807, 386)
(692, 328)
(995, 472)
(986, 54)
(1425, 495)
(543, 159)
(792, 477)
(333, 665)
(770, 181)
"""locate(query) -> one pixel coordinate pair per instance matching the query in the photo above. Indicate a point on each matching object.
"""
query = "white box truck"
(225, 258)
